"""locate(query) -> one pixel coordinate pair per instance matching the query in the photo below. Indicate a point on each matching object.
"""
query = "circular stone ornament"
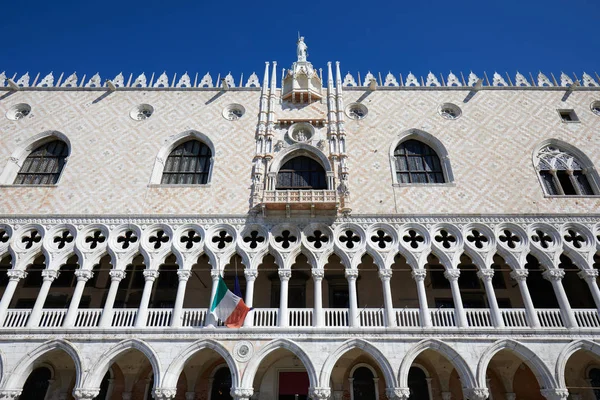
(233, 112)
(301, 132)
(18, 111)
(595, 107)
(450, 111)
(356, 111)
(141, 112)
(243, 351)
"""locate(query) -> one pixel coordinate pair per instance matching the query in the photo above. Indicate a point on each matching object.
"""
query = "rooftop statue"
(301, 51)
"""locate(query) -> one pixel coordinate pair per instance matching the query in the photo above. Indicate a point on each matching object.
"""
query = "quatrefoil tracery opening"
(286, 239)
(190, 238)
(127, 239)
(413, 238)
(318, 239)
(34, 237)
(349, 238)
(222, 238)
(542, 238)
(63, 238)
(95, 238)
(509, 238)
(3, 236)
(158, 239)
(445, 238)
(575, 238)
(254, 239)
(477, 238)
(381, 238)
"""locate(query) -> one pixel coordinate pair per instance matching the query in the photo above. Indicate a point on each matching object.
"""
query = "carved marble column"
(386, 275)
(242, 393)
(215, 276)
(555, 277)
(555, 394)
(10, 394)
(319, 393)
(589, 275)
(48, 275)
(82, 277)
(459, 311)
(486, 276)
(251, 275)
(318, 274)
(397, 393)
(284, 276)
(14, 276)
(419, 276)
(352, 276)
(107, 314)
(183, 275)
(85, 394)
(520, 275)
(165, 393)
(150, 276)
(476, 393)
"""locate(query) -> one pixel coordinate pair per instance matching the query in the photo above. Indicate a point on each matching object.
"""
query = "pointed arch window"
(416, 162)
(188, 164)
(44, 164)
(302, 173)
(563, 174)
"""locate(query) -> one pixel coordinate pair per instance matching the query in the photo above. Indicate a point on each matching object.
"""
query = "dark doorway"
(293, 386)
(417, 382)
(36, 385)
(363, 385)
(301, 173)
(221, 387)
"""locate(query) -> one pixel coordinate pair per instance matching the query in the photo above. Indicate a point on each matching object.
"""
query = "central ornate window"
(563, 174)
(301, 173)
(416, 162)
(44, 164)
(188, 164)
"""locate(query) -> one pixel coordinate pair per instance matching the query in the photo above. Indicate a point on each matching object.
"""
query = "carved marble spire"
(390, 80)
(349, 80)
(411, 80)
(565, 80)
(520, 80)
(94, 81)
(140, 81)
(432, 80)
(498, 80)
(452, 80)
(206, 81)
(162, 81)
(302, 50)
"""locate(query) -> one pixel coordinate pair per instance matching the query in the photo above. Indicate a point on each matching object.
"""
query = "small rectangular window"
(568, 116)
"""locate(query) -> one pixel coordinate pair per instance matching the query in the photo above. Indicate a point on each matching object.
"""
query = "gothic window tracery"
(188, 164)
(43, 165)
(562, 173)
(416, 162)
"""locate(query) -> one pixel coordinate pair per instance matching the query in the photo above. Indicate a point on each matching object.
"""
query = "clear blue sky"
(239, 36)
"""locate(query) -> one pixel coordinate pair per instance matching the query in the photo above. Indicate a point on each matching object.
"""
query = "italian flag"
(228, 307)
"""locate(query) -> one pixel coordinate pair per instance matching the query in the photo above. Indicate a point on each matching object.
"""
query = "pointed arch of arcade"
(254, 363)
(10, 171)
(174, 370)
(567, 352)
(464, 372)
(429, 140)
(26, 364)
(174, 141)
(97, 372)
(296, 150)
(370, 349)
(528, 356)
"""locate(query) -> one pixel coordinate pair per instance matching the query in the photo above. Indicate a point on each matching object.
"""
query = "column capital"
(452, 274)
(397, 393)
(242, 393)
(476, 393)
(85, 394)
(385, 274)
(215, 274)
(165, 393)
(285, 274)
(184, 274)
(150, 274)
(555, 394)
(117, 275)
(589, 275)
(50, 274)
(553, 275)
(446, 395)
(10, 393)
(519, 275)
(351, 273)
(318, 273)
(485, 274)
(16, 274)
(320, 393)
(83, 275)
(419, 274)
(250, 274)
